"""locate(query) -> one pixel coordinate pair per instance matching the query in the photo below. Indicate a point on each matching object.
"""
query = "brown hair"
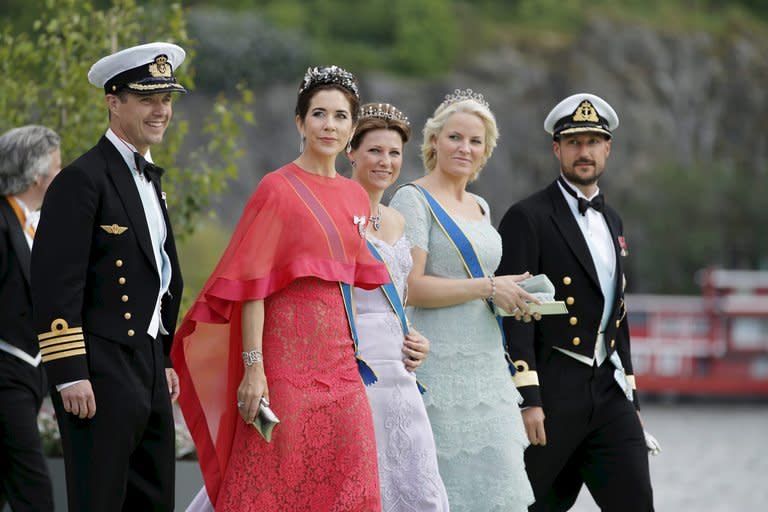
(369, 123)
(306, 95)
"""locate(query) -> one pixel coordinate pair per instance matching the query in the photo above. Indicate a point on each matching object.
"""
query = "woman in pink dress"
(271, 322)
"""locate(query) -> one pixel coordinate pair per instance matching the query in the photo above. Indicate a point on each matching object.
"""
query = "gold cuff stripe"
(631, 381)
(521, 366)
(59, 348)
(59, 327)
(529, 378)
(61, 355)
(62, 339)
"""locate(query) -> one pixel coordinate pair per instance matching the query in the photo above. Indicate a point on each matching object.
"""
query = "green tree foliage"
(43, 78)
(684, 219)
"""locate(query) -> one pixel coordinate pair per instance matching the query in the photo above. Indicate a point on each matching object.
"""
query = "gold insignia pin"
(160, 68)
(114, 229)
(586, 113)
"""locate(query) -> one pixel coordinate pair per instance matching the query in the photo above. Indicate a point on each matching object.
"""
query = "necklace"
(376, 220)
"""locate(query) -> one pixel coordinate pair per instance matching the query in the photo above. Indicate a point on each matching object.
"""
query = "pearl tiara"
(463, 95)
(320, 75)
(383, 111)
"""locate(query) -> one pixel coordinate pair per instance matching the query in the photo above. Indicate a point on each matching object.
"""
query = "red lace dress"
(298, 237)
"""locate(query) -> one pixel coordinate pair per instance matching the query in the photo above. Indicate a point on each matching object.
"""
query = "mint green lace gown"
(471, 400)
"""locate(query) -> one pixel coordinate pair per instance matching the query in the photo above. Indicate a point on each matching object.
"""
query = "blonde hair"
(436, 123)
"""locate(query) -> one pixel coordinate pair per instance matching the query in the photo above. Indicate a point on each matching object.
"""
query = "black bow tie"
(150, 170)
(596, 203)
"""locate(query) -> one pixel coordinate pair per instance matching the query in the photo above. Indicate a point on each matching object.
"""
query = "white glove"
(654, 448)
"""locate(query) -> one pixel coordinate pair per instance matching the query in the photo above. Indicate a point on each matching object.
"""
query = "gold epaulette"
(524, 376)
(61, 341)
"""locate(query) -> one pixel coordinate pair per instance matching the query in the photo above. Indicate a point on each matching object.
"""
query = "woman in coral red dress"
(271, 322)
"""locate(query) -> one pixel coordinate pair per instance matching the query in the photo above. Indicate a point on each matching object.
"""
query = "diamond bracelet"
(252, 357)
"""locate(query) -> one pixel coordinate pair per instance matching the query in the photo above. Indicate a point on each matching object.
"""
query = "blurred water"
(714, 458)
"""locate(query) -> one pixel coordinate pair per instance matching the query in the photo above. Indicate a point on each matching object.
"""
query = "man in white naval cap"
(574, 371)
(106, 288)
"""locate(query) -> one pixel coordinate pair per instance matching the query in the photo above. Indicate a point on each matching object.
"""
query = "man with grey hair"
(29, 160)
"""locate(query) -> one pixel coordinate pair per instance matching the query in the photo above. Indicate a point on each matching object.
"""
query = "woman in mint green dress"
(471, 401)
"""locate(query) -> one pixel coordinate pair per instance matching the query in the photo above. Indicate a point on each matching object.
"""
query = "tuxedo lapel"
(613, 227)
(570, 231)
(126, 189)
(18, 240)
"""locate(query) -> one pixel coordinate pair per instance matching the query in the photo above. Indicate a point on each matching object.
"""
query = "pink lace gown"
(323, 453)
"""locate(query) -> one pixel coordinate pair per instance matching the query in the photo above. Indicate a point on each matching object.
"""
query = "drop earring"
(301, 144)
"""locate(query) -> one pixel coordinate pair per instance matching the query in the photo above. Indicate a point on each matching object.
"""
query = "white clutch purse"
(542, 288)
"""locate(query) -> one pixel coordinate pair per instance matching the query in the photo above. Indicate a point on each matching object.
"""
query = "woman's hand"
(510, 297)
(415, 348)
(252, 387)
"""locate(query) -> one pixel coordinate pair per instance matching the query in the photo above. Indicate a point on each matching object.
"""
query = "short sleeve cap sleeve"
(418, 220)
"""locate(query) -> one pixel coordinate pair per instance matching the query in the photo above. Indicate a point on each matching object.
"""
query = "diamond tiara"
(320, 75)
(383, 111)
(463, 95)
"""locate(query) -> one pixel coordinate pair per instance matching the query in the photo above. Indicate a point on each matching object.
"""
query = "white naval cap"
(143, 69)
(581, 113)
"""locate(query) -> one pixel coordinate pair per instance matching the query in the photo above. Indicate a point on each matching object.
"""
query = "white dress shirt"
(595, 230)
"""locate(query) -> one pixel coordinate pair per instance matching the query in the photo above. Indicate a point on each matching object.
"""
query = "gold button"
(573, 320)
(613, 343)
(130, 332)
(618, 323)
(119, 263)
(566, 280)
(570, 301)
(577, 341)
(124, 298)
(121, 280)
(127, 316)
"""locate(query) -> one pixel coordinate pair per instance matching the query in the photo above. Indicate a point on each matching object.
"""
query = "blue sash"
(467, 255)
(390, 292)
(366, 372)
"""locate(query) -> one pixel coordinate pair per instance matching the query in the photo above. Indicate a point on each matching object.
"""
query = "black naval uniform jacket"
(93, 267)
(16, 311)
(540, 235)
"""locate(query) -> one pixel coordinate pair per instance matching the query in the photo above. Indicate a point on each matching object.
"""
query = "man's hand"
(79, 399)
(173, 383)
(533, 419)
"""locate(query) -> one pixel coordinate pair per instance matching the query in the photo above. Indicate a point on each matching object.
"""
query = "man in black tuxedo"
(575, 370)
(29, 160)
(106, 288)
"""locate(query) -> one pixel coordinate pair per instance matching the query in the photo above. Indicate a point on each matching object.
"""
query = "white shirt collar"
(578, 191)
(27, 212)
(126, 150)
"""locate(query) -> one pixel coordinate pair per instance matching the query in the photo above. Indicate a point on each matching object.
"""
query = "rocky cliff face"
(682, 99)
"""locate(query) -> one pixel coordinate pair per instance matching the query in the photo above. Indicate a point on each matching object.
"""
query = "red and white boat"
(715, 344)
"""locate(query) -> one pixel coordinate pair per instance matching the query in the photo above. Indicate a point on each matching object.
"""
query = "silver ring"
(240, 404)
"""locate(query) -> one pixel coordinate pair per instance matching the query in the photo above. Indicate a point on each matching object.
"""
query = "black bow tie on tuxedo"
(596, 203)
(150, 170)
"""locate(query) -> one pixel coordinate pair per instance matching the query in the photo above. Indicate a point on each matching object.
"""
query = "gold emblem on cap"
(585, 113)
(160, 68)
